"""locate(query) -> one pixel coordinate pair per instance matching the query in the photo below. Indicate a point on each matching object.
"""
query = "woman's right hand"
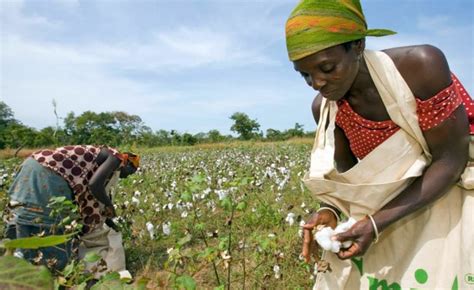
(324, 217)
(109, 212)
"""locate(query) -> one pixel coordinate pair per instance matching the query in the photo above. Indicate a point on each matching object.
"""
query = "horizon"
(189, 65)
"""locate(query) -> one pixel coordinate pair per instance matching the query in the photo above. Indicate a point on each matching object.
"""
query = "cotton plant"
(151, 230)
(290, 218)
(166, 228)
(324, 236)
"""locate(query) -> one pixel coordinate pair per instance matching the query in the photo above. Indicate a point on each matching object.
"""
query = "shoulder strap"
(396, 95)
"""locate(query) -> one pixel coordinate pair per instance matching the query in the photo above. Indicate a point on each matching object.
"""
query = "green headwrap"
(315, 25)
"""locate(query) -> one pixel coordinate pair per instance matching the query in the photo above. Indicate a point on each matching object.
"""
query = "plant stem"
(213, 262)
(243, 265)
(229, 245)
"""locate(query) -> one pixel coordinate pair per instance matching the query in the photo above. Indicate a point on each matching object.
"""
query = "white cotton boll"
(135, 201)
(167, 228)
(18, 254)
(335, 246)
(290, 218)
(222, 193)
(184, 214)
(345, 226)
(151, 230)
(323, 237)
(276, 270)
(137, 193)
(346, 244)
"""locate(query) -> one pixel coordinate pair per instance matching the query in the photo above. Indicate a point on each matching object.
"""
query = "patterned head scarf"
(315, 25)
(130, 157)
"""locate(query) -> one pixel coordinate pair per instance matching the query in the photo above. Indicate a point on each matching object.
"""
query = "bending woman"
(80, 173)
(391, 151)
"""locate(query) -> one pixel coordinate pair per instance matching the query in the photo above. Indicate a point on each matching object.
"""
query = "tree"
(6, 114)
(297, 131)
(6, 118)
(215, 136)
(244, 126)
(17, 135)
(188, 139)
(274, 135)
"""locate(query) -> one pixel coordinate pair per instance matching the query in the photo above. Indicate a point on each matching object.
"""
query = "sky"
(189, 65)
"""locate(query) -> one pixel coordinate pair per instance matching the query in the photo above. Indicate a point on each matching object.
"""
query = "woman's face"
(331, 71)
(127, 170)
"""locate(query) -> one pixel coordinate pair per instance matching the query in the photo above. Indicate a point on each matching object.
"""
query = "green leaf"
(245, 181)
(111, 276)
(208, 253)
(68, 270)
(221, 287)
(241, 206)
(57, 199)
(184, 240)
(36, 242)
(92, 257)
(198, 178)
(199, 226)
(186, 282)
(141, 283)
(111, 281)
(226, 203)
(17, 273)
(186, 196)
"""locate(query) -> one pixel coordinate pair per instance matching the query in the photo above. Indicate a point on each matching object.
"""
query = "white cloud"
(13, 19)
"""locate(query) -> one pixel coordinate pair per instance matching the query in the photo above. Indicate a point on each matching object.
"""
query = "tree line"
(120, 128)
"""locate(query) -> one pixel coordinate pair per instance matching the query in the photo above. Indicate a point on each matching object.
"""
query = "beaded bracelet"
(376, 231)
(331, 210)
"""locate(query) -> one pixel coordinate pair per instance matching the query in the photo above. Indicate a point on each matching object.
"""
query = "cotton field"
(214, 216)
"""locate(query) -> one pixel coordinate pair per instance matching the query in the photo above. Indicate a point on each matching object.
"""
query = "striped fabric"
(315, 25)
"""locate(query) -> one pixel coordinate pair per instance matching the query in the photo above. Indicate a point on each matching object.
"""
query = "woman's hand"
(361, 234)
(109, 212)
(310, 247)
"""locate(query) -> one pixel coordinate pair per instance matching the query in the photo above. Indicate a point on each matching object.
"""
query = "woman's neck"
(363, 86)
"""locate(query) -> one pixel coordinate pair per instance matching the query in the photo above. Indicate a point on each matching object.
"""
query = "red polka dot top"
(76, 164)
(365, 135)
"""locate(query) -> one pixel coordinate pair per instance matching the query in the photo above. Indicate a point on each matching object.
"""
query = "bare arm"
(108, 165)
(448, 144)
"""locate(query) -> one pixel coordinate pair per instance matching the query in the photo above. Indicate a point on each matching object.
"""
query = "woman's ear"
(359, 46)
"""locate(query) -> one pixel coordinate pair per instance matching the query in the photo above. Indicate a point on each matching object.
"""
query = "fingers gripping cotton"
(324, 236)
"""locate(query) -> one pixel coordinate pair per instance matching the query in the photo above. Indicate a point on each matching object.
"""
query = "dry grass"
(224, 145)
(10, 153)
(25, 152)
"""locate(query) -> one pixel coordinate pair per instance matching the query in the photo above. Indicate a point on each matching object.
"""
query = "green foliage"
(120, 129)
(17, 273)
(67, 212)
(35, 242)
(244, 126)
(185, 282)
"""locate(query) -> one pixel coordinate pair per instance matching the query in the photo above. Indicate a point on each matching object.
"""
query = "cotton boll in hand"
(324, 236)
(342, 227)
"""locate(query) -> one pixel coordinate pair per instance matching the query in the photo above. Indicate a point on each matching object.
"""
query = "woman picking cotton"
(391, 151)
(81, 173)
